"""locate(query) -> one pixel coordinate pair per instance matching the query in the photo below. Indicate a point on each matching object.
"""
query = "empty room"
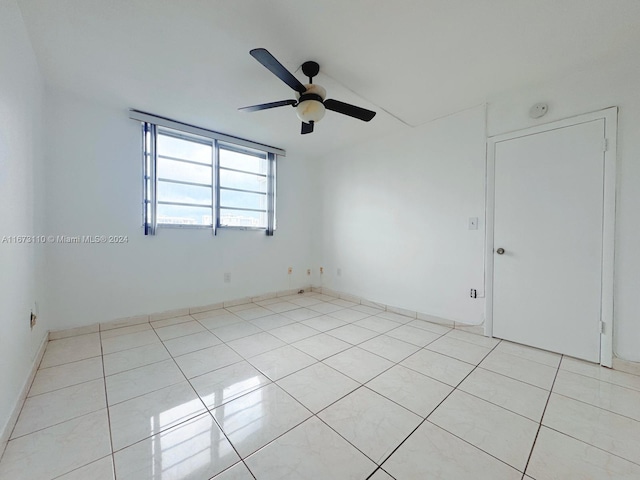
(330, 240)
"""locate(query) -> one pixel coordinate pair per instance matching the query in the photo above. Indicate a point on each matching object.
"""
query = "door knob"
(500, 251)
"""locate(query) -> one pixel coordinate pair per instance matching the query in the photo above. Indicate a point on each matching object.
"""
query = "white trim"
(17, 407)
(203, 132)
(610, 116)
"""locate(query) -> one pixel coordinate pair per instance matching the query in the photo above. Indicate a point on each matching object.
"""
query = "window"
(201, 181)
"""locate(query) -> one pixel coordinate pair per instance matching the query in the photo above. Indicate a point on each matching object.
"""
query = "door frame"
(610, 116)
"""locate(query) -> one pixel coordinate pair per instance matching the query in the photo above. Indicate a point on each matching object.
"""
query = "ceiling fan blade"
(306, 128)
(275, 67)
(265, 106)
(351, 110)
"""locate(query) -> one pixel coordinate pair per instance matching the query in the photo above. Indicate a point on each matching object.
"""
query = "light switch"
(473, 223)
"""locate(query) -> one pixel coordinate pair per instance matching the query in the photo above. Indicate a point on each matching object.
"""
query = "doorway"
(550, 220)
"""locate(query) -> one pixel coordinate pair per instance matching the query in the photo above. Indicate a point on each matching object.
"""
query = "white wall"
(395, 218)
(94, 188)
(591, 89)
(21, 96)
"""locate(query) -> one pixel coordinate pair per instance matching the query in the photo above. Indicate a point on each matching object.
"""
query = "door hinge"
(605, 144)
(602, 327)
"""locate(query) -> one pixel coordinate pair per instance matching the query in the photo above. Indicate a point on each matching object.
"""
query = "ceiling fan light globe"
(310, 111)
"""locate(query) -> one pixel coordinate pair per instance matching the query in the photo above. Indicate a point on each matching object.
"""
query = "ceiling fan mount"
(311, 102)
(310, 69)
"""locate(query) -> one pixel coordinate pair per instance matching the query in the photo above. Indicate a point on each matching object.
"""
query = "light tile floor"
(311, 387)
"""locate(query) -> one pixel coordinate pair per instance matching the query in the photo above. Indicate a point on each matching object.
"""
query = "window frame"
(151, 130)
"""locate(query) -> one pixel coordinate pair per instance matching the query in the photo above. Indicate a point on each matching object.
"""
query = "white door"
(548, 218)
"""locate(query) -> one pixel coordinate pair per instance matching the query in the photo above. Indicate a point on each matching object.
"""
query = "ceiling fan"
(310, 103)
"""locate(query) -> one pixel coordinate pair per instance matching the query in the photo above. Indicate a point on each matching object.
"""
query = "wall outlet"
(473, 293)
(227, 277)
(473, 223)
(321, 270)
(290, 270)
(32, 320)
(339, 272)
(308, 271)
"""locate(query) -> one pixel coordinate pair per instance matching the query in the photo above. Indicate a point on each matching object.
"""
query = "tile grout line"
(207, 411)
(426, 419)
(106, 401)
(544, 410)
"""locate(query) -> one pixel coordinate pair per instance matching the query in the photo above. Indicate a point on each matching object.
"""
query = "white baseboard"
(17, 408)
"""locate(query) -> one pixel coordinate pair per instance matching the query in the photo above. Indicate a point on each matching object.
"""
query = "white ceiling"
(417, 59)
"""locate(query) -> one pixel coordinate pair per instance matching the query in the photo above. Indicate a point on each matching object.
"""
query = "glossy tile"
(305, 301)
(116, 332)
(239, 307)
(413, 335)
(374, 424)
(256, 418)
(311, 451)
(560, 457)
(368, 309)
(396, 317)
(293, 332)
(301, 314)
(72, 349)
(237, 472)
(348, 315)
(594, 370)
(141, 380)
(325, 308)
(191, 343)
(253, 313)
(499, 432)
(321, 346)
(134, 358)
(324, 323)
(521, 369)
(180, 330)
(57, 450)
(235, 331)
(442, 368)
(206, 360)
(66, 375)
(152, 413)
(430, 327)
(432, 453)
(255, 344)
(282, 306)
(193, 450)
(342, 302)
(228, 383)
(519, 397)
(377, 324)
(620, 400)
(358, 364)
(534, 354)
(465, 351)
(99, 470)
(282, 361)
(389, 348)
(271, 321)
(317, 386)
(606, 430)
(131, 340)
(480, 340)
(48, 409)
(380, 475)
(219, 320)
(412, 390)
(352, 334)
